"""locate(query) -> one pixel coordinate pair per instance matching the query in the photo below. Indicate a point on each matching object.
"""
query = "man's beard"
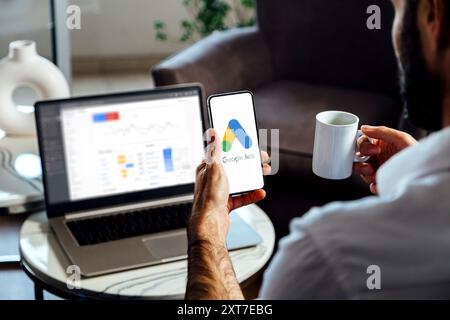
(419, 89)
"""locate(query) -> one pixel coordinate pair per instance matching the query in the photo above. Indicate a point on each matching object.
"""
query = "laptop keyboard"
(130, 224)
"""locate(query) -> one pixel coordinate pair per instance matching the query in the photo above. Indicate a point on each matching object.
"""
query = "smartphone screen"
(233, 117)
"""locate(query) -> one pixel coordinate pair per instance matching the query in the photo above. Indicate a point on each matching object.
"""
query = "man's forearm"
(210, 273)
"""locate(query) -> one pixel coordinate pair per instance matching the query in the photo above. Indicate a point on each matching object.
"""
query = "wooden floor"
(14, 283)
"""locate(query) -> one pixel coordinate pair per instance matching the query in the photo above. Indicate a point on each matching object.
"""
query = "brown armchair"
(305, 56)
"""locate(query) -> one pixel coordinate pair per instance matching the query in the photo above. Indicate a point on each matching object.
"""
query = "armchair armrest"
(232, 60)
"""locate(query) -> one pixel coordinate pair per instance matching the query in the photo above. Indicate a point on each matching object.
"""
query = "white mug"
(335, 145)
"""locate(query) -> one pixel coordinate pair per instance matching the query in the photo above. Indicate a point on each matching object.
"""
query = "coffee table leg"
(38, 293)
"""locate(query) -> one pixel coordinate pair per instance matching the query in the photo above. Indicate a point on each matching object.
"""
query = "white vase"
(23, 67)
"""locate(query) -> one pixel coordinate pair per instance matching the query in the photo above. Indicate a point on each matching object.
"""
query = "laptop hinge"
(129, 207)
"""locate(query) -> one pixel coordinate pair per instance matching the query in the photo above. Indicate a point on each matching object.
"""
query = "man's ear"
(436, 28)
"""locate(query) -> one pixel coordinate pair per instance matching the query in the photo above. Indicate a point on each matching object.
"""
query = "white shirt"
(405, 231)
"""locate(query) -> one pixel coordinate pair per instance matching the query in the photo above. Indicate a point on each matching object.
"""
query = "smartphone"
(232, 115)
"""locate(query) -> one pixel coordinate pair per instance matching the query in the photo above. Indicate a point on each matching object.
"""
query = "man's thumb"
(213, 149)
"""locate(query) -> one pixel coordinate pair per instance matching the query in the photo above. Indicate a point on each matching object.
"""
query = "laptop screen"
(107, 146)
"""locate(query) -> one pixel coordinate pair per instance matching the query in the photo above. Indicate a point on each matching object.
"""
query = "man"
(393, 245)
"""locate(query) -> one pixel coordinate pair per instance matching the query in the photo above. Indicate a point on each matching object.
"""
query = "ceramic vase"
(24, 67)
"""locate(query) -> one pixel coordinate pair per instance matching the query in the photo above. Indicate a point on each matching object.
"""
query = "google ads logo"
(235, 130)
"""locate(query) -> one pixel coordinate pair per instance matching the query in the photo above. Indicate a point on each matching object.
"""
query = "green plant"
(207, 16)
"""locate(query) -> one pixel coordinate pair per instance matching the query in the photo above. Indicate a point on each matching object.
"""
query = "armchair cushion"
(225, 61)
(328, 42)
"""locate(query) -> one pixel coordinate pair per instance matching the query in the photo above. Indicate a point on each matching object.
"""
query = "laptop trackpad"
(167, 246)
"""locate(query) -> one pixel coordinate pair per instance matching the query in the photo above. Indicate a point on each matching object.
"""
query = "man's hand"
(212, 203)
(210, 271)
(383, 144)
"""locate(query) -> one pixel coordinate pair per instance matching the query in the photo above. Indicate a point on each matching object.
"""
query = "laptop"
(119, 174)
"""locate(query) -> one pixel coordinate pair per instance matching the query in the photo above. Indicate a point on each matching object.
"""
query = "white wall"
(25, 19)
(125, 27)
(108, 27)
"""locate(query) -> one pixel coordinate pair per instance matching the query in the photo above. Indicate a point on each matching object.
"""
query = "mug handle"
(358, 158)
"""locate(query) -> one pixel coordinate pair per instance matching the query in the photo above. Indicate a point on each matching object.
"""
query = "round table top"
(44, 259)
